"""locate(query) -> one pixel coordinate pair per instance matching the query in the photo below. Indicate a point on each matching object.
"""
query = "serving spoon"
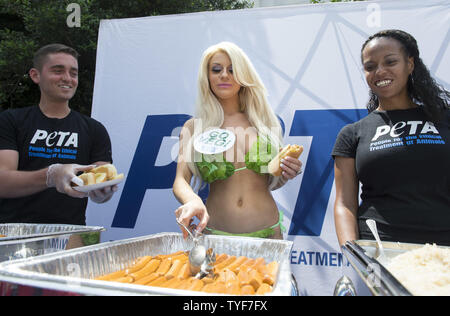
(373, 228)
(201, 260)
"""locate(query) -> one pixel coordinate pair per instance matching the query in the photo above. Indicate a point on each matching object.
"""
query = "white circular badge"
(214, 141)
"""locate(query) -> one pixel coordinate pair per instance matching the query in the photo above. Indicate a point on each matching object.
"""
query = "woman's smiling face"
(387, 68)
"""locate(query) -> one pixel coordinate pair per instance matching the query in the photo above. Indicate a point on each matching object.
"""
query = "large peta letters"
(312, 200)
(143, 174)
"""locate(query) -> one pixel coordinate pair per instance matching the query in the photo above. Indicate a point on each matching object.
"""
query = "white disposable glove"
(59, 176)
(186, 213)
(102, 195)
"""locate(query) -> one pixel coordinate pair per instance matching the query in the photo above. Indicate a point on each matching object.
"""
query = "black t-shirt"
(403, 163)
(42, 141)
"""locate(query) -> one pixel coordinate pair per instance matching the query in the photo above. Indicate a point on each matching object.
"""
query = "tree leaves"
(27, 25)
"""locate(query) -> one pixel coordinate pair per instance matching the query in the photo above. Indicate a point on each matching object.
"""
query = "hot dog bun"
(100, 174)
(293, 151)
(109, 169)
(88, 178)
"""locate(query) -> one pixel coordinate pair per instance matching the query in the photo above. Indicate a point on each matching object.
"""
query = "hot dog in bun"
(293, 151)
(100, 174)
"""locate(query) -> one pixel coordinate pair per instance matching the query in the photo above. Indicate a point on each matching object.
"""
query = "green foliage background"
(26, 25)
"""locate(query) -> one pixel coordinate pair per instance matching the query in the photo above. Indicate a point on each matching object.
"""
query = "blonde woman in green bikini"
(232, 97)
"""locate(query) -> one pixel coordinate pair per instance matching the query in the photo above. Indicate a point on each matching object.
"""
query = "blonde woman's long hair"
(253, 102)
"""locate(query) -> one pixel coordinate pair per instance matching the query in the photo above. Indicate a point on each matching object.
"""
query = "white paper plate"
(88, 188)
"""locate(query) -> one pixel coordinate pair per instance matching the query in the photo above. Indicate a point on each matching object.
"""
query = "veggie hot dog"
(293, 151)
(100, 174)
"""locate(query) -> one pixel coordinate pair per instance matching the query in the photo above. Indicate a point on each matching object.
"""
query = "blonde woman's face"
(221, 78)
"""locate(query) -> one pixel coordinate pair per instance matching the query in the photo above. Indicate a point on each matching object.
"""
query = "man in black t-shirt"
(43, 147)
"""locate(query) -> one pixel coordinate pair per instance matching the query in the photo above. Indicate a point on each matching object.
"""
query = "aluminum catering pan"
(27, 240)
(362, 253)
(74, 270)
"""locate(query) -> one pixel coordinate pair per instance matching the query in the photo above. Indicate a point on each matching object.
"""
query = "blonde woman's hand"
(291, 167)
(186, 213)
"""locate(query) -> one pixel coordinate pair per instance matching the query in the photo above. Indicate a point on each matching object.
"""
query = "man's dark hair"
(40, 56)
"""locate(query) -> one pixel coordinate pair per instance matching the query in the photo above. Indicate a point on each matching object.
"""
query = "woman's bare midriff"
(242, 204)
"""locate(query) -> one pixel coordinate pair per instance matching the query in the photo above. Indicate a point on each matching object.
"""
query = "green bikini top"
(215, 167)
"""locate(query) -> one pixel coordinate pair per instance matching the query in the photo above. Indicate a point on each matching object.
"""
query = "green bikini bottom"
(264, 233)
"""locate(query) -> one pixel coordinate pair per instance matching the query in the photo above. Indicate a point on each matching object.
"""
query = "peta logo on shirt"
(400, 128)
(59, 139)
(54, 145)
(410, 133)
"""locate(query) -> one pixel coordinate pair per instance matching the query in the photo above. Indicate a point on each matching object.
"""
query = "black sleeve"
(8, 131)
(101, 144)
(346, 142)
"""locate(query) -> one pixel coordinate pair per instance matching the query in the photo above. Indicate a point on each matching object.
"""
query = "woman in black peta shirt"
(400, 152)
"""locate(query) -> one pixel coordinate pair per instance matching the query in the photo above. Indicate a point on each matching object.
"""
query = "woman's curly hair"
(422, 88)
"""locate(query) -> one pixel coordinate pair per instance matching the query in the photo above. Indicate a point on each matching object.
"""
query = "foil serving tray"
(21, 231)
(28, 240)
(362, 256)
(74, 270)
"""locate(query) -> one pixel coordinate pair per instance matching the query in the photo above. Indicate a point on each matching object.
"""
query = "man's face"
(58, 78)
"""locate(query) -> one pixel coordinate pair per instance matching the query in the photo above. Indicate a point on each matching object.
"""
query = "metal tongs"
(201, 260)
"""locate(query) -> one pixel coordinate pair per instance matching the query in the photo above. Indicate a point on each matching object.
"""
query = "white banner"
(308, 56)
